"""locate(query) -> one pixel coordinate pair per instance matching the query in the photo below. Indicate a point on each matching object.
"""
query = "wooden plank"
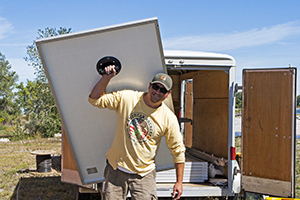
(210, 112)
(176, 87)
(211, 84)
(210, 126)
(187, 76)
(267, 118)
(266, 186)
(67, 157)
(204, 156)
(176, 91)
(188, 128)
(70, 176)
(176, 105)
(69, 173)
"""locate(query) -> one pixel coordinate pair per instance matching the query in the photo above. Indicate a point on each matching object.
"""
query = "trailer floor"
(218, 187)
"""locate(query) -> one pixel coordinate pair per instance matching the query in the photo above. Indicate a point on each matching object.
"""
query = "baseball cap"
(163, 79)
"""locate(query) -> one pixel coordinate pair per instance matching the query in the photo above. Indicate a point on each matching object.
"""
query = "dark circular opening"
(106, 61)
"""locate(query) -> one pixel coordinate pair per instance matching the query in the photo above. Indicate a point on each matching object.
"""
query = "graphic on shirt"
(139, 127)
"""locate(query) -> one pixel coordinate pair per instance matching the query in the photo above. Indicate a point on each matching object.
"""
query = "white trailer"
(268, 123)
(203, 95)
(203, 98)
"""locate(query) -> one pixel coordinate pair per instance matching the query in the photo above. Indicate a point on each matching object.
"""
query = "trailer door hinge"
(237, 88)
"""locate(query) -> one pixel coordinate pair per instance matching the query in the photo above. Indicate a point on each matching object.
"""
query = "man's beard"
(154, 98)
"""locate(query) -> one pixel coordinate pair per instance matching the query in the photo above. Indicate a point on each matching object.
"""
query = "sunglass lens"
(162, 89)
(155, 87)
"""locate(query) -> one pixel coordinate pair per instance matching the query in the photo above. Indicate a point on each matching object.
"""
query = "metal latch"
(236, 171)
(237, 88)
(184, 119)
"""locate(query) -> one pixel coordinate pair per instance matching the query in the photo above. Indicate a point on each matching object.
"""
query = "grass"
(5, 130)
(19, 179)
(18, 176)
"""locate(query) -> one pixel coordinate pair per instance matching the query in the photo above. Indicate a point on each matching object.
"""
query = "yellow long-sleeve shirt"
(139, 131)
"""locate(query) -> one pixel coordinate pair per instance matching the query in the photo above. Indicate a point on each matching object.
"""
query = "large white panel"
(194, 172)
(70, 64)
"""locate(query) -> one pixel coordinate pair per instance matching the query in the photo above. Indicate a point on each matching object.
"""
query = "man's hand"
(110, 71)
(177, 189)
(99, 88)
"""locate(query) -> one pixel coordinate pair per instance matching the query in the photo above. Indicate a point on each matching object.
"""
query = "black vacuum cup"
(106, 61)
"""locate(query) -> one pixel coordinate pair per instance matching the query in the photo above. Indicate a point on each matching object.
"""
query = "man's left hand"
(177, 190)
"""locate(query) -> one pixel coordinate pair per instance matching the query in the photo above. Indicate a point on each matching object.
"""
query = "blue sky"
(256, 33)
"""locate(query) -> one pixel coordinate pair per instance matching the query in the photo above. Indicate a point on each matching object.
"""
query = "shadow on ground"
(34, 185)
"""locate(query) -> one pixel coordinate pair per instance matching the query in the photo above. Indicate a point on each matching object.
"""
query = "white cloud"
(221, 42)
(23, 70)
(5, 27)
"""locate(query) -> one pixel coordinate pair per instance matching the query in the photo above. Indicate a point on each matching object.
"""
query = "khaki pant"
(118, 183)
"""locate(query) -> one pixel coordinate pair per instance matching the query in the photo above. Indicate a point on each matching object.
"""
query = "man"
(143, 119)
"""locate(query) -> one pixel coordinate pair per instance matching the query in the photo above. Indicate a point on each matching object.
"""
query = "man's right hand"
(110, 71)
(99, 88)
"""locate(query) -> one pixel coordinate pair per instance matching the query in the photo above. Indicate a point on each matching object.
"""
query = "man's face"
(156, 92)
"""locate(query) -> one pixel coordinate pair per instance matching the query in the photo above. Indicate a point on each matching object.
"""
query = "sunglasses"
(161, 89)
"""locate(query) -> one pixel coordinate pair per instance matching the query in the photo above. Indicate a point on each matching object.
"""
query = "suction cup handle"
(106, 61)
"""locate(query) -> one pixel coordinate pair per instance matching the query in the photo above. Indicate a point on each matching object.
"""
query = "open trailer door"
(268, 131)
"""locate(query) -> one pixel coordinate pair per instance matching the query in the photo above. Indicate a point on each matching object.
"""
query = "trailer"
(268, 122)
(203, 99)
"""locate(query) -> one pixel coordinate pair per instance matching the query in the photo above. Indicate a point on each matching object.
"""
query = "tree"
(39, 108)
(8, 108)
(36, 98)
(238, 100)
(298, 100)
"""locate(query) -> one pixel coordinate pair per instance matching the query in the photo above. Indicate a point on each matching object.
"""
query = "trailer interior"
(201, 98)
